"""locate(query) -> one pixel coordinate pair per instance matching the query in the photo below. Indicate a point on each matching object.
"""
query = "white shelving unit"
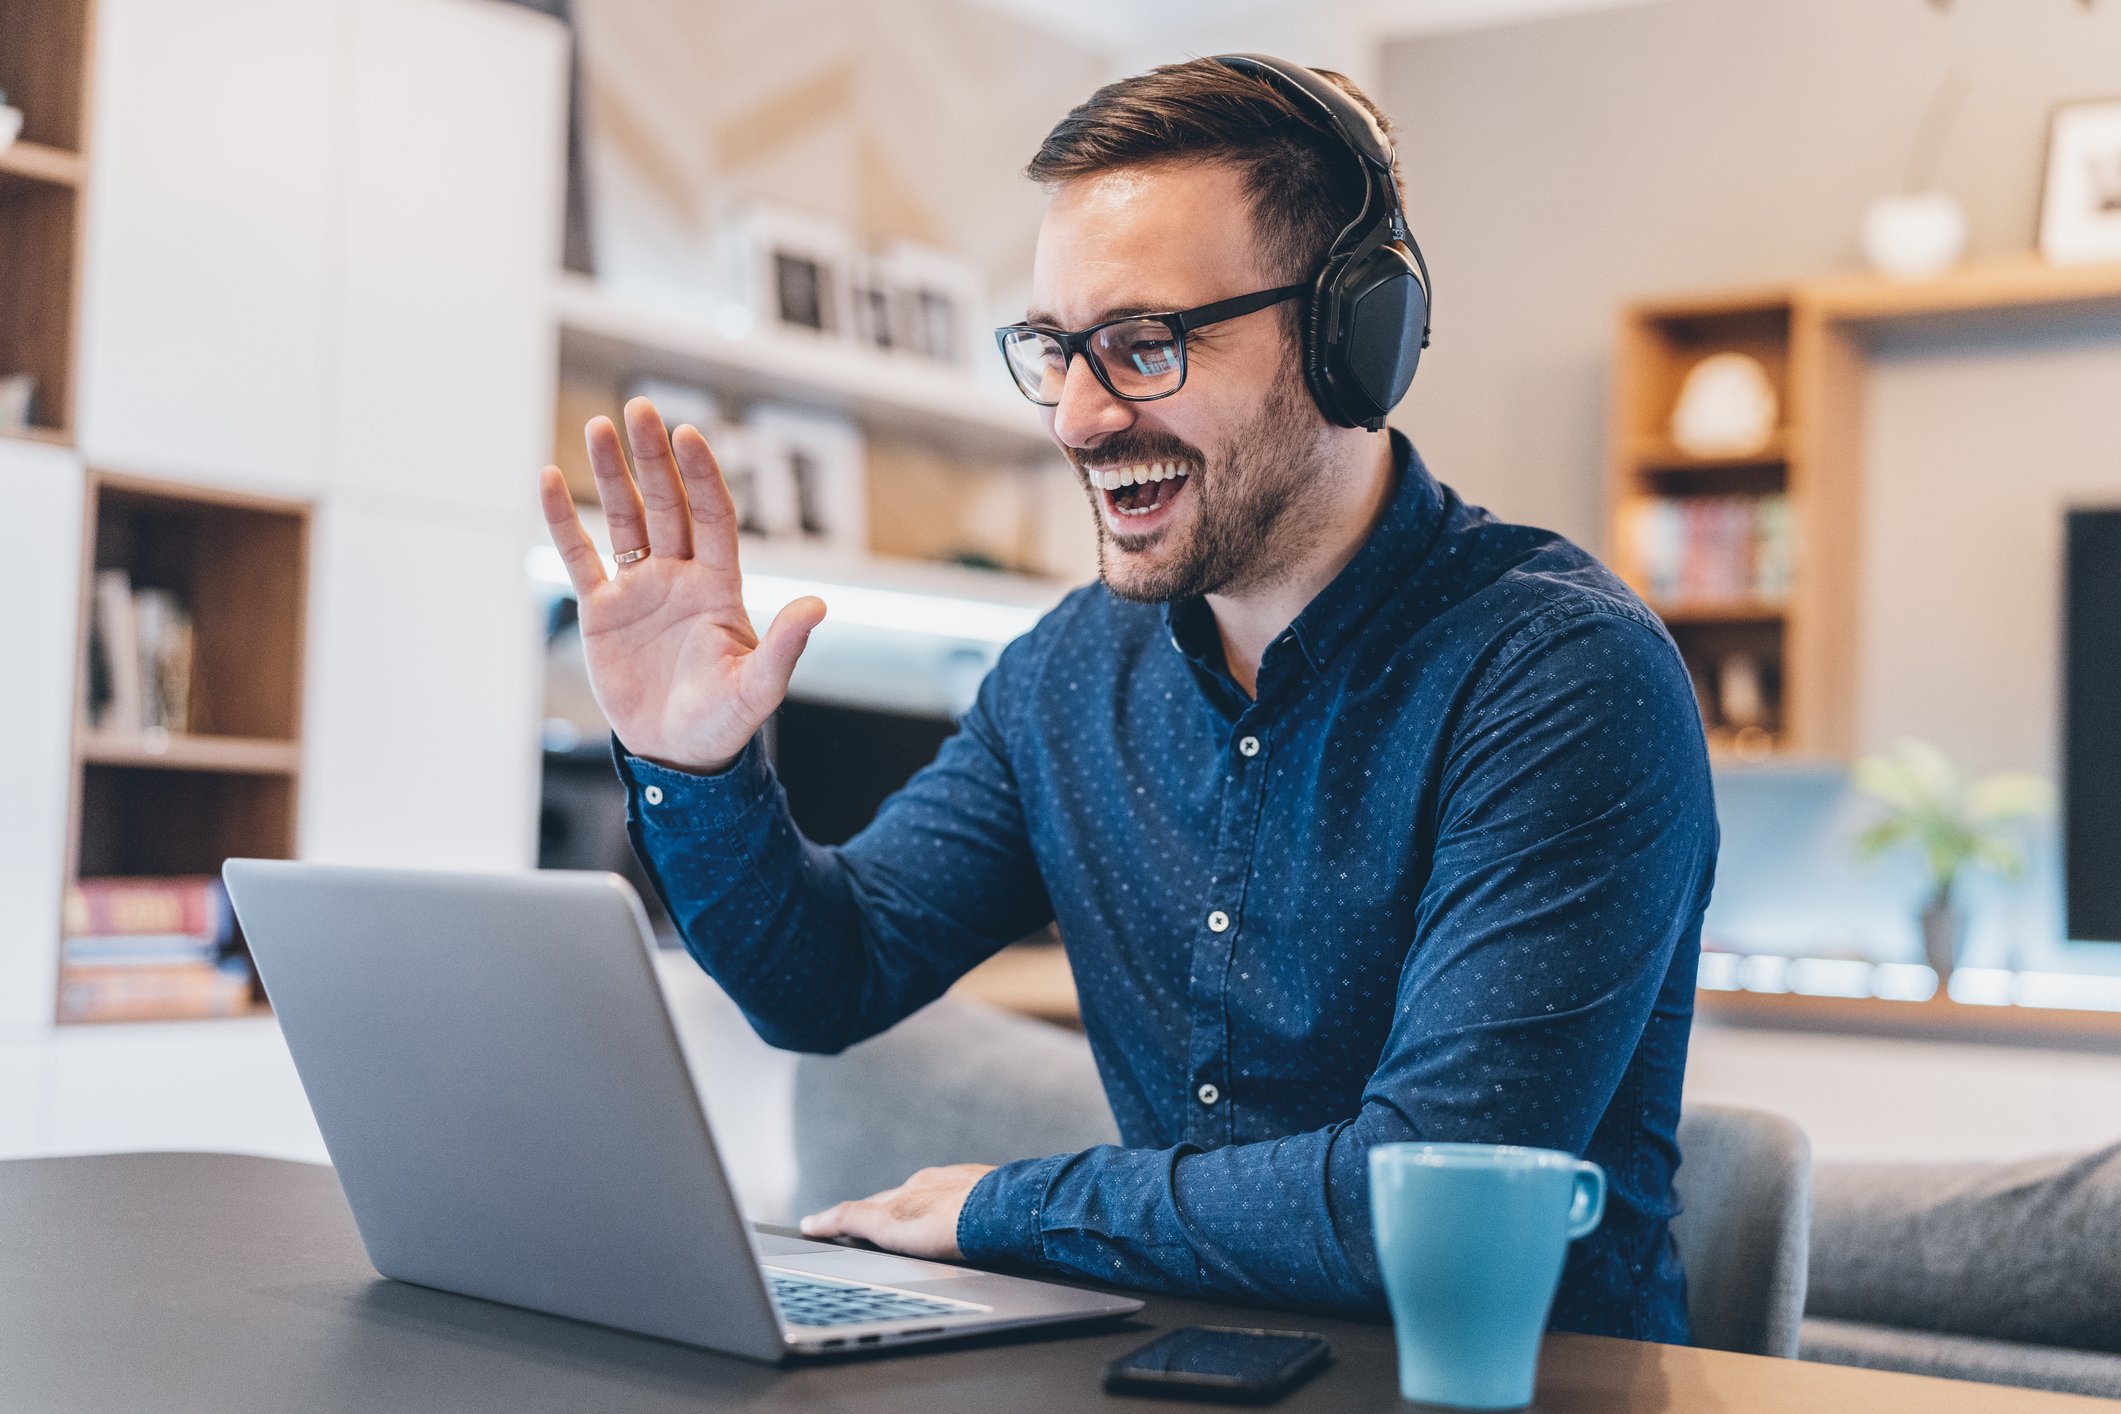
(939, 405)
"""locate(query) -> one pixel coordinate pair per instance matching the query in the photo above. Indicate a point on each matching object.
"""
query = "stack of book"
(1714, 549)
(150, 949)
(140, 658)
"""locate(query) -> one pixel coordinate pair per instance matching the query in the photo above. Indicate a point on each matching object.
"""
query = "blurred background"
(1805, 315)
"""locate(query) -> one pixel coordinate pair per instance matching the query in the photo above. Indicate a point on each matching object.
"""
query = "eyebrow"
(1121, 311)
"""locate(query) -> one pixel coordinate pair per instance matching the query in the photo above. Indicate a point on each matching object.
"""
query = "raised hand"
(675, 664)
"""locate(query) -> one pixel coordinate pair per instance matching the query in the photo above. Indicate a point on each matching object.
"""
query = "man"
(1364, 816)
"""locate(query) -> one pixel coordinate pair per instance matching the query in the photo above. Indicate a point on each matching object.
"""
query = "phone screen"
(1229, 1359)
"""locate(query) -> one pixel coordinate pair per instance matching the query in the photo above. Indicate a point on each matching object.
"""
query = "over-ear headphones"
(1368, 317)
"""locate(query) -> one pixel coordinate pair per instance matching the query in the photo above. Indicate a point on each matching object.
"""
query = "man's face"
(1236, 449)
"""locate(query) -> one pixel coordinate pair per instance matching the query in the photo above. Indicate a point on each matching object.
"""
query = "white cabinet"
(214, 198)
(424, 678)
(42, 488)
(456, 170)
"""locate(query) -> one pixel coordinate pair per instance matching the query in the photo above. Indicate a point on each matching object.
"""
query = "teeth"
(1138, 475)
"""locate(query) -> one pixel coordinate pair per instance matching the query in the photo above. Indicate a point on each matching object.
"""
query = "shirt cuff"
(1003, 1214)
(666, 799)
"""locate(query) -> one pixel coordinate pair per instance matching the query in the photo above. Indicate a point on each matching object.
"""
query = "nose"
(1087, 413)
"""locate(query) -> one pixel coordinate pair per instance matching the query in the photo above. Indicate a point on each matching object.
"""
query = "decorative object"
(936, 297)
(10, 123)
(18, 392)
(1955, 824)
(1913, 235)
(808, 478)
(1918, 231)
(2080, 217)
(1726, 408)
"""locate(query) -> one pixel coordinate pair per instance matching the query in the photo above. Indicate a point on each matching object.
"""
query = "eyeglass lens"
(1140, 358)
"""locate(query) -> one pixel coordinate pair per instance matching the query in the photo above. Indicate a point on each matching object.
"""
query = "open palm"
(682, 677)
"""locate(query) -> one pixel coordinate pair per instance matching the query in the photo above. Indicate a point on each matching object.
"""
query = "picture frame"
(2080, 212)
(789, 271)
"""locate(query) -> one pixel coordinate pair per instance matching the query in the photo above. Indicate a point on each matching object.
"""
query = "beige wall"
(1558, 167)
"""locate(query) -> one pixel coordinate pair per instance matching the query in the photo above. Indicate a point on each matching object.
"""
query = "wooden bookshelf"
(1814, 340)
(44, 67)
(156, 802)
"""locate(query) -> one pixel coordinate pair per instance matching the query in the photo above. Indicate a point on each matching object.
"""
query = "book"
(116, 644)
(191, 904)
(165, 992)
(1713, 549)
(139, 949)
(162, 628)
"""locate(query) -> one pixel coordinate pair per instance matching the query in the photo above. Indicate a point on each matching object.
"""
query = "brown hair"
(1303, 182)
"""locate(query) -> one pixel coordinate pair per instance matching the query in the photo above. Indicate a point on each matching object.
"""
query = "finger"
(713, 511)
(577, 551)
(622, 503)
(767, 670)
(655, 471)
(840, 1220)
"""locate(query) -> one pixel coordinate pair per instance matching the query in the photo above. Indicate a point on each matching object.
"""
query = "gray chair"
(955, 1083)
(964, 1083)
(1744, 1227)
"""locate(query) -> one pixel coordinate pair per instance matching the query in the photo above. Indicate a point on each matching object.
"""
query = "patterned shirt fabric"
(1442, 880)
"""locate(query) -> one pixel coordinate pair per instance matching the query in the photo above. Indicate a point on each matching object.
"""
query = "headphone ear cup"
(1383, 312)
(1321, 317)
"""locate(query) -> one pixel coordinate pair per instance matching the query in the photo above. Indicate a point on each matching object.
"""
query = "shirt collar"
(1386, 561)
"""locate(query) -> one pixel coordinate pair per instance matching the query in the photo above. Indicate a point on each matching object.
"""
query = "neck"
(1249, 621)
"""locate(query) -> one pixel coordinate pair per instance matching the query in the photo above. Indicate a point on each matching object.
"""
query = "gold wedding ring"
(630, 556)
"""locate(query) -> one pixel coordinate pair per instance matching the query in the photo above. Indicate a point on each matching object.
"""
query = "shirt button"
(1249, 746)
(653, 795)
(1218, 921)
(1208, 1094)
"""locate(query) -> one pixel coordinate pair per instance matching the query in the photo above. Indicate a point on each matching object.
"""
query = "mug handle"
(1587, 1207)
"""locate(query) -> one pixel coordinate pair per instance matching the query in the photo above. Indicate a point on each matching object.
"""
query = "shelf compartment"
(193, 752)
(44, 48)
(144, 820)
(38, 250)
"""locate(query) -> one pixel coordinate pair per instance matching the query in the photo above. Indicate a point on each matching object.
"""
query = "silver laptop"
(499, 1084)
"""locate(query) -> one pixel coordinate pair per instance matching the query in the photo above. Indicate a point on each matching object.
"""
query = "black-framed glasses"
(1140, 358)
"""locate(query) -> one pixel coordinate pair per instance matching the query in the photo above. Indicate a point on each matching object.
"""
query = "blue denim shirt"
(1442, 880)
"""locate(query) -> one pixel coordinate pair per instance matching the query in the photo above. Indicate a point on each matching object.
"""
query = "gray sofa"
(2009, 1274)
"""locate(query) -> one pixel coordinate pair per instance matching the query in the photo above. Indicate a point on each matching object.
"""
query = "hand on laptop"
(676, 666)
(917, 1218)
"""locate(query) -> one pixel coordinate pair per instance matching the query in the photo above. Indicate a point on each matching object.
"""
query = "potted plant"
(1955, 824)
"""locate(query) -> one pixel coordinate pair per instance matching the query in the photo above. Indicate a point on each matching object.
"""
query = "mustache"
(1129, 448)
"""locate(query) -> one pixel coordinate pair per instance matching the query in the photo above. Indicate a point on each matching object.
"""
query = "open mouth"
(1141, 489)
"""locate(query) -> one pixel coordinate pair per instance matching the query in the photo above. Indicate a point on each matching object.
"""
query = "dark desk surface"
(215, 1283)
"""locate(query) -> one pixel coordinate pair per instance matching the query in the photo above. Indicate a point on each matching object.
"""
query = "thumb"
(766, 672)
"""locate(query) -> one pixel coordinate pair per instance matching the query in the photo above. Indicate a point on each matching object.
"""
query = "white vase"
(10, 127)
(1913, 235)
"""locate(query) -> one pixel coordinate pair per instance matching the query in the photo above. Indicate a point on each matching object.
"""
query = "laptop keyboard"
(809, 1301)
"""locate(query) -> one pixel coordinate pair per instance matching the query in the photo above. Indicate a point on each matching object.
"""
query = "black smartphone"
(1219, 1362)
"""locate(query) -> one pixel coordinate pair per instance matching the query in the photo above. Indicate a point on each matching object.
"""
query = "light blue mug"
(1471, 1240)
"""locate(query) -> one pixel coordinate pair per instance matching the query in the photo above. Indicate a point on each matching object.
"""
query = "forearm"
(1283, 1222)
(770, 916)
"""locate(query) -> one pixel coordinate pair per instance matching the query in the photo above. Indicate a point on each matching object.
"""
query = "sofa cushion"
(2027, 1252)
(1962, 1357)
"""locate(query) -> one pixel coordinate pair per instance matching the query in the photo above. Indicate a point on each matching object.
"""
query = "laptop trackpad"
(881, 1268)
